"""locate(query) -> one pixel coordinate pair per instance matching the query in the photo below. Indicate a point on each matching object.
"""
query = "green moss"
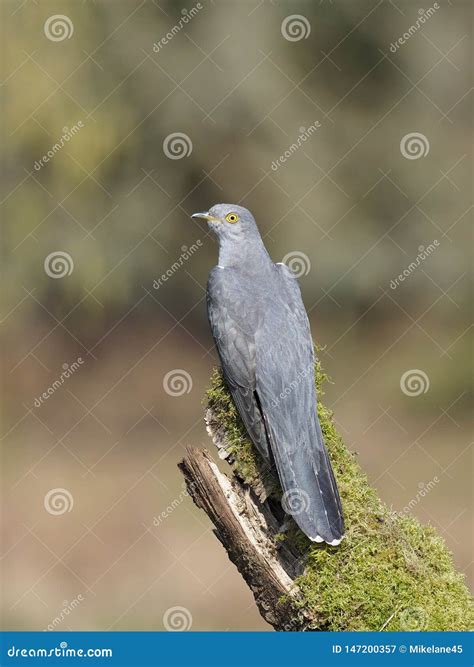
(389, 573)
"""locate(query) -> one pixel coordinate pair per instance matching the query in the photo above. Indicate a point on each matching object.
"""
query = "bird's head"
(229, 221)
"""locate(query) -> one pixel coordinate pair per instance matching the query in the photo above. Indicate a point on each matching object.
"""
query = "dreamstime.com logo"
(295, 27)
(67, 135)
(295, 502)
(414, 382)
(58, 27)
(413, 619)
(298, 262)
(61, 651)
(289, 389)
(414, 145)
(58, 264)
(67, 609)
(58, 501)
(177, 145)
(304, 135)
(177, 619)
(186, 253)
(175, 503)
(423, 253)
(423, 17)
(423, 491)
(187, 16)
(177, 382)
(68, 370)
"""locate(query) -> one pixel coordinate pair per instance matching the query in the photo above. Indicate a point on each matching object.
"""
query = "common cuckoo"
(263, 338)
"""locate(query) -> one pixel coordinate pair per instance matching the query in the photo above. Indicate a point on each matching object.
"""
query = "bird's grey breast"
(245, 298)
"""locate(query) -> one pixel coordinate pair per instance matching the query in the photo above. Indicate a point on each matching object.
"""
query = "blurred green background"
(356, 201)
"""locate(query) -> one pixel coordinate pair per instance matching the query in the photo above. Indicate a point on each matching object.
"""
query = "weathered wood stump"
(390, 573)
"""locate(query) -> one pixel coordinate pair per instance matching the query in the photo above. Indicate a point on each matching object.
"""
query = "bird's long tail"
(310, 493)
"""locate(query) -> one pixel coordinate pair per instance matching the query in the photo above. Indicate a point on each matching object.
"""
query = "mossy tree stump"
(390, 573)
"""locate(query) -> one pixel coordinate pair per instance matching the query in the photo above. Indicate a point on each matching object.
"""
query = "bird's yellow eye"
(232, 217)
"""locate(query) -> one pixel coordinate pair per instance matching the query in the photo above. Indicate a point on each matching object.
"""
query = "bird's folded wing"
(233, 325)
(285, 387)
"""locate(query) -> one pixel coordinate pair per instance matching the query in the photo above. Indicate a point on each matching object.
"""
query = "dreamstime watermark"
(177, 145)
(177, 619)
(177, 382)
(176, 502)
(187, 16)
(423, 17)
(67, 135)
(423, 253)
(58, 27)
(414, 382)
(294, 502)
(423, 490)
(58, 501)
(186, 253)
(292, 386)
(66, 610)
(298, 262)
(295, 27)
(304, 135)
(61, 651)
(68, 370)
(414, 145)
(58, 264)
(413, 619)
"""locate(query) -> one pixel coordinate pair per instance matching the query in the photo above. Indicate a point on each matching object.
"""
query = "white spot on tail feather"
(320, 539)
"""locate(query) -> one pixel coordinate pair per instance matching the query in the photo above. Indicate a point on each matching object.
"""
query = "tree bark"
(246, 528)
(390, 573)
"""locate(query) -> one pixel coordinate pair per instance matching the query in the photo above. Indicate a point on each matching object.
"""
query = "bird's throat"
(248, 254)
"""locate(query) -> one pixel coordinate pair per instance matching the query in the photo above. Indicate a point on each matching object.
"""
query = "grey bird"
(263, 338)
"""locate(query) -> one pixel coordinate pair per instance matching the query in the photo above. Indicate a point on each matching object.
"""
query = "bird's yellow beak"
(205, 216)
